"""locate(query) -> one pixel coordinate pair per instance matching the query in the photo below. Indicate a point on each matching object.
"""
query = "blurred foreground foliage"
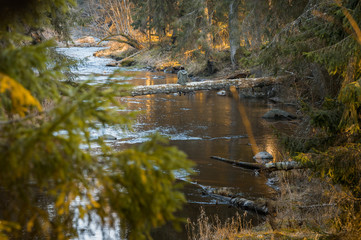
(52, 172)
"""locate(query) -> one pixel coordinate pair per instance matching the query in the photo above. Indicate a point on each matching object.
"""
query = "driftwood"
(283, 165)
(243, 74)
(129, 57)
(129, 40)
(277, 166)
(249, 205)
(246, 204)
(206, 85)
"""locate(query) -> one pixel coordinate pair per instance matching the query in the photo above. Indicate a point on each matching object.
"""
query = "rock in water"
(112, 64)
(263, 156)
(278, 114)
(221, 93)
(182, 77)
(108, 137)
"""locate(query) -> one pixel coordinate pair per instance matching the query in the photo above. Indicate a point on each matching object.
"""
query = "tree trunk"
(205, 85)
(234, 31)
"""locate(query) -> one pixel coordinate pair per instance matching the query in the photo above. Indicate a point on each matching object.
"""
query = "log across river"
(240, 83)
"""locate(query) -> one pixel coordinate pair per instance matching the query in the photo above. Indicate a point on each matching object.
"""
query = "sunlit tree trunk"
(149, 25)
(234, 32)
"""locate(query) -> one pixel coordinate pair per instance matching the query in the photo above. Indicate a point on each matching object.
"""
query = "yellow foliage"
(351, 20)
(7, 227)
(21, 98)
(143, 177)
(169, 64)
(30, 224)
(93, 203)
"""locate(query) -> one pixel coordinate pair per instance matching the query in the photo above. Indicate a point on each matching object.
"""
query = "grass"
(212, 229)
(306, 208)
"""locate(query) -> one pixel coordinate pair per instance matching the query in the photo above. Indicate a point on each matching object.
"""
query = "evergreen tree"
(49, 175)
(325, 43)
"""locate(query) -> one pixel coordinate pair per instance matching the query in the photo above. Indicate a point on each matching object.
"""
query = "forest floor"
(304, 208)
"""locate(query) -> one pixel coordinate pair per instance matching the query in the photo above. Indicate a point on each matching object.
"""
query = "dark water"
(205, 124)
(202, 124)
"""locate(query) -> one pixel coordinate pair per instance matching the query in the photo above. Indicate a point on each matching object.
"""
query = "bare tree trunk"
(234, 31)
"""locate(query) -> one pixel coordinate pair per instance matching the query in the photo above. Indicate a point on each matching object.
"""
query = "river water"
(202, 124)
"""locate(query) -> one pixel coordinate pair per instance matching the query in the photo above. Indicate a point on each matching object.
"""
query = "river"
(201, 124)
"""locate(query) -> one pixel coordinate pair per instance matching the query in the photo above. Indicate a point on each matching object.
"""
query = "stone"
(263, 156)
(112, 64)
(169, 70)
(276, 100)
(221, 93)
(108, 137)
(182, 77)
(127, 62)
(278, 114)
(210, 68)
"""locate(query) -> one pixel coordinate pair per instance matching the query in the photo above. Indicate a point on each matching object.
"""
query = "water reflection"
(205, 124)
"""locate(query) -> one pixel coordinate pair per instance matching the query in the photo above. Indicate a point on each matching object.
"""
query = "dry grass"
(306, 208)
(238, 228)
(305, 203)
(212, 229)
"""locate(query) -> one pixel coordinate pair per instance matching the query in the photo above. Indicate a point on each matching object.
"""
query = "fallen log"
(283, 165)
(272, 166)
(249, 205)
(259, 207)
(240, 164)
(206, 85)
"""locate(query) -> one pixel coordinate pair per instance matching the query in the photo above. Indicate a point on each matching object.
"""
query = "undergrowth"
(306, 208)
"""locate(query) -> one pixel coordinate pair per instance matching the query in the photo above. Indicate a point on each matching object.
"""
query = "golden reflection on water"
(246, 122)
(149, 80)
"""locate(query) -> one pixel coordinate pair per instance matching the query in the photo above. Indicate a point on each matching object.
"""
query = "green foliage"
(320, 34)
(350, 96)
(324, 128)
(155, 15)
(331, 144)
(27, 16)
(52, 172)
(328, 117)
(340, 163)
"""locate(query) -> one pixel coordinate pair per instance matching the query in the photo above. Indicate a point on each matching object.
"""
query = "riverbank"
(304, 208)
(160, 60)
